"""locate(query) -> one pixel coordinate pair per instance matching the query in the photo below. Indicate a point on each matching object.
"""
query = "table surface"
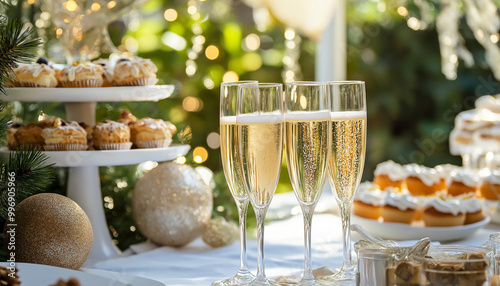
(199, 264)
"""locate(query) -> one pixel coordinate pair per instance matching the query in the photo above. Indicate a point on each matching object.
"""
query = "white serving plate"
(401, 231)
(110, 157)
(99, 94)
(44, 275)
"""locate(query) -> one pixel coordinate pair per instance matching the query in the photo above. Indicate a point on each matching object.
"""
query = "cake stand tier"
(110, 157)
(99, 94)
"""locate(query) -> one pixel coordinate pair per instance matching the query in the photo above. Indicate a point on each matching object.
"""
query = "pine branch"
(32, 176)
(4, 123)
(16, 46)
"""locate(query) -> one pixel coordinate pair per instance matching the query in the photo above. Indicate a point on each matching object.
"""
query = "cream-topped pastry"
(135, 72)
(389, 174)
(462, 182)
(442, 211)
(368, 201)
(444, 171)
(35, 75)
(488, 102)
(399, 207)
(422, 180)
(472, 207)
(490, 186)
(81, 75)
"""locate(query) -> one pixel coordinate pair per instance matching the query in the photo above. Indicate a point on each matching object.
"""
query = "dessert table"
(199, 264)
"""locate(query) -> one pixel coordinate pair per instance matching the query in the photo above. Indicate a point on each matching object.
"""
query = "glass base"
(296, 280)
(242, 278)
(263, 281)
(340, 277)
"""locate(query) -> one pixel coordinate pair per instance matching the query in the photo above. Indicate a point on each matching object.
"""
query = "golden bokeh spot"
(402, 11)
(212, 52)
(252, 42)
(181, 160)
(192, 104)
(95, 7)
(111, 4)
(230, 76)
(200, 155)
(170, 15)
(71, 6)
(289, 34)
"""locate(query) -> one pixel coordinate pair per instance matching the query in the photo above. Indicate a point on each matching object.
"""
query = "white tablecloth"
(198, 264)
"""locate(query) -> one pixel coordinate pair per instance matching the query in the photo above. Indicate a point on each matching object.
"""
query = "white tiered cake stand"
(83, 179)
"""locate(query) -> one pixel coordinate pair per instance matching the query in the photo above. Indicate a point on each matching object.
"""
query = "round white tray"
(100, 94)
(401, 231)
(111, 157)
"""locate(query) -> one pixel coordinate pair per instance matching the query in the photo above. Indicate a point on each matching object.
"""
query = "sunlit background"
(392, 45)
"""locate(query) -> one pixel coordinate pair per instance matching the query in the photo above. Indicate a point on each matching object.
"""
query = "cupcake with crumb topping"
(64, 136)
(111, 135)
(152, 133)
(81, 75)
(134, 72)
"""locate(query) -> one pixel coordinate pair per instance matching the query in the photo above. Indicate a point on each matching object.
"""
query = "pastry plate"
(401, 231)
(110, 157)
(99, 94)
(44, 275)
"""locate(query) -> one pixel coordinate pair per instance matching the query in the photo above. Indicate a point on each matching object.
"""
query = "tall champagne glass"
(347, 158)
(307, 142)
(230, 156)
(260, 134)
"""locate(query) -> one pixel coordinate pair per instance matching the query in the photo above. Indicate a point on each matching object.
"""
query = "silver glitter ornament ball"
(52, 230)
(171, 204)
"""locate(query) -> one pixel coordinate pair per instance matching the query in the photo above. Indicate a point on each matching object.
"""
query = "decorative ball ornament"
(220, 232)
(171, 204)
(51, 229)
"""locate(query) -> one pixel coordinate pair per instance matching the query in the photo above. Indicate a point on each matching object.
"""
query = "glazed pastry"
(135, 72)
(29, 136)
(462, 182)
(39, 74)
(111, 135)
(443, 212)
(11, 138)
(399, 207)
(152, 133)
(65, 136)
(490, 186)
(389, 174)
(81, 75)
(368, 201)
(126, 117)
(422, 181)
(107, 71)
(472, 207)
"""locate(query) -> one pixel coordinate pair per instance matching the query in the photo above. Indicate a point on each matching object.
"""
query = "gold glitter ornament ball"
(171, 204)
(52, 230)
(220, 232)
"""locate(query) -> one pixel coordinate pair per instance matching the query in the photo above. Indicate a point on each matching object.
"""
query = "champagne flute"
(347, 158)
(232, 171)
(260, 134)
(307, 142)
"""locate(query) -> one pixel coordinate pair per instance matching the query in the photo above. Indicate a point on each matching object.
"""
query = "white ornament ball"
(171, 204)
(220, 232)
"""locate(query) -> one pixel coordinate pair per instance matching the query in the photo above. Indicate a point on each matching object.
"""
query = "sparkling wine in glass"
(307, 141)
(347, 158)
(230, 156)
(260, 139)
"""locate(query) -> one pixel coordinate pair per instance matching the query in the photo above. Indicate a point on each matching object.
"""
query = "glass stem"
(307, 211)
(260, 215)
(345, 213)
(242, 206)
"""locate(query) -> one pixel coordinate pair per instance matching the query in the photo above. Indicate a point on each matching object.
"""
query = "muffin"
(399, 207)
(65, 136)
(421, 181)
(135, 72)
(11, 138)
(111, 135)
(368, 201)
(81, 75)
(389, 174)
(29, 136)
(462, 182)
(442, 211)
(152, 133)
(490, 186)
(38, 74)
(472, 207)
(126, 117)
(107, 71)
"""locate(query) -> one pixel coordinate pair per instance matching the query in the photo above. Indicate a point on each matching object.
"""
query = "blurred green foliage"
(411, 106)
